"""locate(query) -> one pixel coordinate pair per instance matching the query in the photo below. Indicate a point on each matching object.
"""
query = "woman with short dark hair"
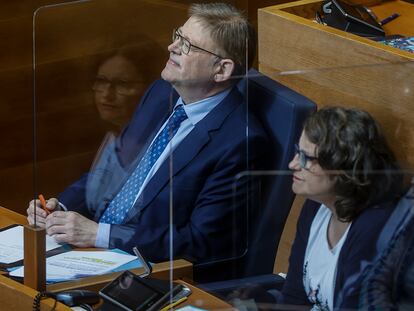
(342, 164)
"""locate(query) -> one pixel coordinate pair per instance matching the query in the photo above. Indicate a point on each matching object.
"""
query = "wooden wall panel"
(335, 68)
(69, 40)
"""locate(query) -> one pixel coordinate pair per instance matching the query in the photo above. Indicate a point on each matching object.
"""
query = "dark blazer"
(208, 220)
(359, 246)
(388, 284)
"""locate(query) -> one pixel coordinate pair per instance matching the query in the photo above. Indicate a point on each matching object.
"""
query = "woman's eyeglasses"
(303, 157)
(121, 87)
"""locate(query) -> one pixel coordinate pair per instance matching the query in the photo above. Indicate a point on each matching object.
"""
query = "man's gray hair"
(230, 30)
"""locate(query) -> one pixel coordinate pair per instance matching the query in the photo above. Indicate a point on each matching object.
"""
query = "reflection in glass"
(165, 184)
(121, 79)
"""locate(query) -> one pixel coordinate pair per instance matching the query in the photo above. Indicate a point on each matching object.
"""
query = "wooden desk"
(204, 300)
(16, 296)
(182, 268)
(333, 67)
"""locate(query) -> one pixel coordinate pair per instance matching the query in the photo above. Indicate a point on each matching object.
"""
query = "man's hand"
(72, 228)
(52, 205)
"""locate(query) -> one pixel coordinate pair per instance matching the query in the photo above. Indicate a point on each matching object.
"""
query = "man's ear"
(224, 70)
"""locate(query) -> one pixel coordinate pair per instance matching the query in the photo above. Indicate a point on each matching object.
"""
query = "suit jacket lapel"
(148, 119)
(139, 133)
(187, 150)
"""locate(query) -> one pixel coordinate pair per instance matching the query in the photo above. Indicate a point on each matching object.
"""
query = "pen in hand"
(43, 203)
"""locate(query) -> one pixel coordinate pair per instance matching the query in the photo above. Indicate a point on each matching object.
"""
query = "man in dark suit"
(180, 156)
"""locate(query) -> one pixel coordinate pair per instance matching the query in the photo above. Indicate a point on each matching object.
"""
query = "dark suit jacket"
(207, 192)
(359, 246)
(388, 284)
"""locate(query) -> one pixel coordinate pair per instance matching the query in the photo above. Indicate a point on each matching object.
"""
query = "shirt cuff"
(102, 237)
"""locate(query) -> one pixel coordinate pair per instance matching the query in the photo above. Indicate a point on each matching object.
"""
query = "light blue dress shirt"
(196, 112)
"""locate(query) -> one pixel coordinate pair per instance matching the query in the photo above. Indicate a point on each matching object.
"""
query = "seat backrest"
(282, 113)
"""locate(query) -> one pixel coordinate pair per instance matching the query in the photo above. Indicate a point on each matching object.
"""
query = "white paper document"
(12, 245)
(77, 264)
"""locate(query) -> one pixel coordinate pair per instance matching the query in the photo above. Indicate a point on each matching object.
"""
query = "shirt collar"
(198, 110)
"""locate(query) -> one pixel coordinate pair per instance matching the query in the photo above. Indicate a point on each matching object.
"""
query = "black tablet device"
(132, 293)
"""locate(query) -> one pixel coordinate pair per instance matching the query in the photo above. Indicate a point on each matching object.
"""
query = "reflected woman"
(346, 170)
(121, 79)
(389, 283)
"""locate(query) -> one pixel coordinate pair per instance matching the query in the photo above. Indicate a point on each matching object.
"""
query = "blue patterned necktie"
(124, 200)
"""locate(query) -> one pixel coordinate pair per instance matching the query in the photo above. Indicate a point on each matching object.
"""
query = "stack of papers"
(78, 264)
(65, 265)
(11, 245)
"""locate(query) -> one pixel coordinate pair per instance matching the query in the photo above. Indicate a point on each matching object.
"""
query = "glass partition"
(130, 167)
(210, 182)
(93, 61)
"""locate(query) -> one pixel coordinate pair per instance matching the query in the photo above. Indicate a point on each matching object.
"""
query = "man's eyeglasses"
(303, 157)
(186, 45)
(121, 87)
